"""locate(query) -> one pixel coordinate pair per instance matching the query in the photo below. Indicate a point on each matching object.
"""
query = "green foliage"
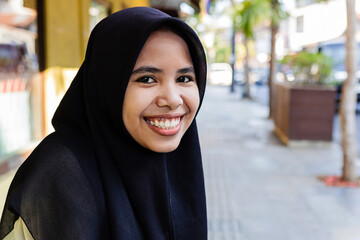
(222, 54)
(249, 13)
(309, 67)
(277, 13)
(223, 48)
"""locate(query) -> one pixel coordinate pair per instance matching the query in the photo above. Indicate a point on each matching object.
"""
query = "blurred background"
(289, 57)
(43, 43)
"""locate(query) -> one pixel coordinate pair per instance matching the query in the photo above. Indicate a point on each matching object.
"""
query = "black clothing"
(90, 179)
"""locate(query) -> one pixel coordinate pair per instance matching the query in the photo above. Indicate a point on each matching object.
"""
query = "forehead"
(164, 45)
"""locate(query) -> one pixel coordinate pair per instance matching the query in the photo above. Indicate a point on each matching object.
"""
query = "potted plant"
(305, 101)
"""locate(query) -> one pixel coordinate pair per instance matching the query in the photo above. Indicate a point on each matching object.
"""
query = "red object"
(336, 181)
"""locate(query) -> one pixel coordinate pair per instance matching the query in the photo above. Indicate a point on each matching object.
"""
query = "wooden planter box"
(303, 113)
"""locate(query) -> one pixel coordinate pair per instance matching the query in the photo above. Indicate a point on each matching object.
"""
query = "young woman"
(124, 161)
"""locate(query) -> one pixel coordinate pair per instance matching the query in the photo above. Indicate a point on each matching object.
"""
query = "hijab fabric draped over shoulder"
(90, 179)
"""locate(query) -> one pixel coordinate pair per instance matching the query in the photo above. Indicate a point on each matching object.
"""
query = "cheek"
(126, 114)
(135, 102)
(131, 109)
(193, 100)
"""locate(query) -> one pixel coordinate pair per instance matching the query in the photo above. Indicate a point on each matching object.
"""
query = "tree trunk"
(233, 55)
(233, 58)
(272, 64)
(348, 98)
(246, 91)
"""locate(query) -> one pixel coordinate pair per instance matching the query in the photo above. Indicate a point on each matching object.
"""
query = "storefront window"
(18, 64)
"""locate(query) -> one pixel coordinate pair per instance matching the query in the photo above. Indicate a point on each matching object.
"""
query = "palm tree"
(247, 15)
(348, 98)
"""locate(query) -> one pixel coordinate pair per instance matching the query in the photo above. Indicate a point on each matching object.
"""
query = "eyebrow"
(186, 70)
(148, 69)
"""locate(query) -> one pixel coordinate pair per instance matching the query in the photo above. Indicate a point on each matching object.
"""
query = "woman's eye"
(184, 79)
(146, 80)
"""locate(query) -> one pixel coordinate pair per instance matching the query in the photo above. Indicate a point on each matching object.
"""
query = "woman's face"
(162, 96)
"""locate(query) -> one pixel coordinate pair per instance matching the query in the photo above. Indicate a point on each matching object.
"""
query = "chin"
(164, 148)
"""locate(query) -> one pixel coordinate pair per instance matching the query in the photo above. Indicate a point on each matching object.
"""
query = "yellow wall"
(66, 36)
(56, 82)
(30, 4)
(121, 4)
(67, 30)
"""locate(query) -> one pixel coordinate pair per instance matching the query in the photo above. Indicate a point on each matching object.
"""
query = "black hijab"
(90, 179)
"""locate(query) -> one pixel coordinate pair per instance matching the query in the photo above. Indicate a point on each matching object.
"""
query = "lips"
(164, 125)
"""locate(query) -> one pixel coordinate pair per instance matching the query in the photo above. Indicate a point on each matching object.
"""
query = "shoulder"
(53, 172)
(54, 194)
(50, 164)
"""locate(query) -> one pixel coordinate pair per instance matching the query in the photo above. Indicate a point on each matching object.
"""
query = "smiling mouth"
(164, 123)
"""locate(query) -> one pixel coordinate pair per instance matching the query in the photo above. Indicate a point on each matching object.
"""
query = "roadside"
(258, 188)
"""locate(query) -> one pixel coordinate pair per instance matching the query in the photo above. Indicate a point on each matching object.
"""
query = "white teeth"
(167, 124)
(173, 123)
(164, 123)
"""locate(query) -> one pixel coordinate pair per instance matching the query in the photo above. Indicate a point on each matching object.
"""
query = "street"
(257, 188)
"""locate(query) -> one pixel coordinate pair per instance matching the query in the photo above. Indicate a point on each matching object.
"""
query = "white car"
(220, 74)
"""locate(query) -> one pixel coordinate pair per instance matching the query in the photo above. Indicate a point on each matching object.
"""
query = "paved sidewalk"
(258, 189)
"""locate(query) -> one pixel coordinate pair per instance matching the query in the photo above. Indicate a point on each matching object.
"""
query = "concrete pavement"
(258, 189)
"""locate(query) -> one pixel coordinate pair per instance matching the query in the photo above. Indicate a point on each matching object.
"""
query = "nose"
(169, 96)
